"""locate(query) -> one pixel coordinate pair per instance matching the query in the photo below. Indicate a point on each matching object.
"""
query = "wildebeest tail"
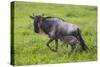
(82, 43)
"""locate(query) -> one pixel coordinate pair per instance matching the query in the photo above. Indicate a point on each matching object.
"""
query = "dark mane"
(48, 17)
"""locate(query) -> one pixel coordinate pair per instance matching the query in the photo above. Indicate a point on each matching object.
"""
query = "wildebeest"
(54, 26)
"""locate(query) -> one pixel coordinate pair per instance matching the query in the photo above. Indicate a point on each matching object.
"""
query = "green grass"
(30, 48)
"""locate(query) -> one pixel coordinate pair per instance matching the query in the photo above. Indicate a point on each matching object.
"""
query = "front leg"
(49, 43)
(52, 37)
(56, 42)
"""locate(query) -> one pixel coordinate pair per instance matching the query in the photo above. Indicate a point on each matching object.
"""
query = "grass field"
(30, 48)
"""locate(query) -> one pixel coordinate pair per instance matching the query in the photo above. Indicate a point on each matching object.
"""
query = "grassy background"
(30, 48)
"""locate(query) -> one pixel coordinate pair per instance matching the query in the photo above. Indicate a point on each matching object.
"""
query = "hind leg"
(78, 35)
(56, 42)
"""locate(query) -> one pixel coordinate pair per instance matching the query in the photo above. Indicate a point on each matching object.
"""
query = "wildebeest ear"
(31, 17)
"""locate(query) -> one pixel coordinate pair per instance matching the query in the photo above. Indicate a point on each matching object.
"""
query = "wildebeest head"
(37, 21)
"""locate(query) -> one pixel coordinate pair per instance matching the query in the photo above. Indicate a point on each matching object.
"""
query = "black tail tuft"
(82, 43)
